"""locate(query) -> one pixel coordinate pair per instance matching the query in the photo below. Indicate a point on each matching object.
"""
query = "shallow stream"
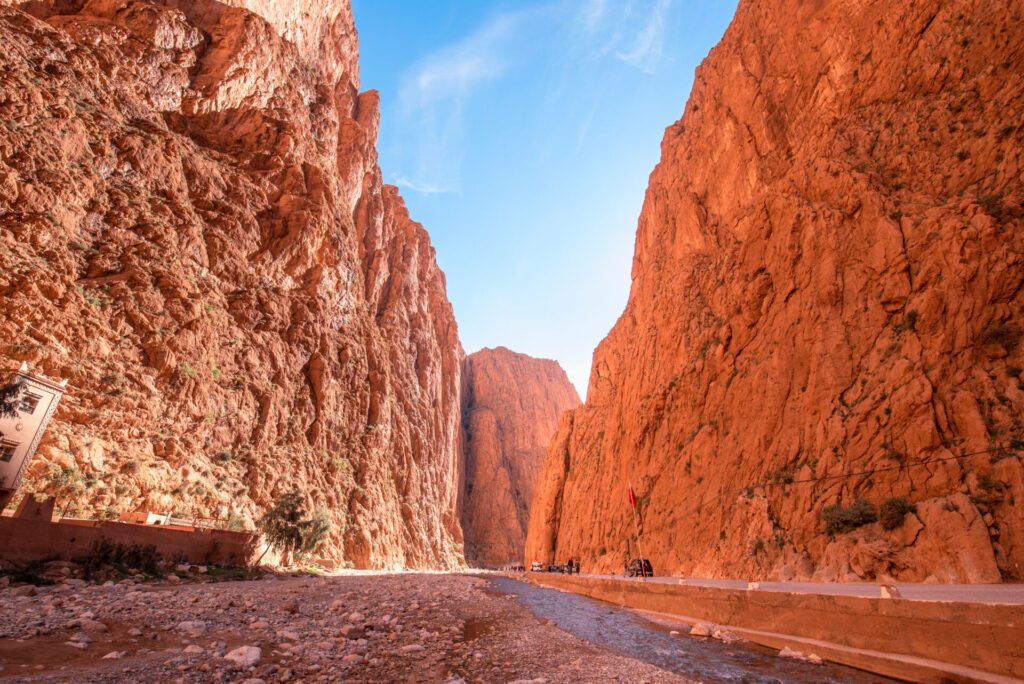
(630, 634)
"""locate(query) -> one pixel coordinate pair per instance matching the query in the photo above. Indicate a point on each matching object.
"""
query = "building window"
(29, 403)
(7, 449)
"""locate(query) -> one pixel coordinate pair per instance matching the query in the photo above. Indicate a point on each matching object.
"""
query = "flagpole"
(636, 525)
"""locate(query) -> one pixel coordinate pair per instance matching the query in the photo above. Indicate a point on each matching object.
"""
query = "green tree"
(67, 483)
(288, 529)
(10, 396)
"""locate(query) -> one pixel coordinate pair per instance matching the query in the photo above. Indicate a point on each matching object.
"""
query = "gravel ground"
(357, 628)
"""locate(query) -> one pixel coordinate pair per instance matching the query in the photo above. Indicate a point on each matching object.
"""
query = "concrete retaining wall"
(23, 540)
(965, 636)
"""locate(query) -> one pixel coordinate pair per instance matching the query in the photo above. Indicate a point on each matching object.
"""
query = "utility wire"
(901, 466)
(825, 478)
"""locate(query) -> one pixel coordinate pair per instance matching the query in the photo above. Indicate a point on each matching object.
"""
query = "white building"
(20, 435)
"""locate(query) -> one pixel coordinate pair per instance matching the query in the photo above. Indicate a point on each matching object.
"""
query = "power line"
(901, 466)
(770, 483)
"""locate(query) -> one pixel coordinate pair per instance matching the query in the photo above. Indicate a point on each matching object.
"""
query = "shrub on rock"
(839, 519)
(893, 511)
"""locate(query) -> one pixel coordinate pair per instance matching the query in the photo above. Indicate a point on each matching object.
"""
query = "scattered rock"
(193, 628)
(245, 656)
(787, 652)
(724, 635)
(700, 630)
(90, 626)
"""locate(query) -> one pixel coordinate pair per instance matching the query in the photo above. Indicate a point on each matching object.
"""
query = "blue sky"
(522, 135)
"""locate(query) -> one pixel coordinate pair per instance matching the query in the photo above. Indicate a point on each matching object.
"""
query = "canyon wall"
(826, 306)
(510, 408)
(194, 232)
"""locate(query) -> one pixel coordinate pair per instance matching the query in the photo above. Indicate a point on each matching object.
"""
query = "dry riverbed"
(358, 628)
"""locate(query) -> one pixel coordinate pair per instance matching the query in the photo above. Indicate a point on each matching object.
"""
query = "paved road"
(971, 593)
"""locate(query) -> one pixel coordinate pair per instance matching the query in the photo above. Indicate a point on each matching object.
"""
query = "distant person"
(577, 567)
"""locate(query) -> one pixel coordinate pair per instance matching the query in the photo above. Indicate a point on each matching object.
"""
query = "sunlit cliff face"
(825, 306)
(195, 233)
(510, 408)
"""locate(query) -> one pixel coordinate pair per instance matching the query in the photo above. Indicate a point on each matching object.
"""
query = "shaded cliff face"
(194, 232)
(826, 286)
(510, 408)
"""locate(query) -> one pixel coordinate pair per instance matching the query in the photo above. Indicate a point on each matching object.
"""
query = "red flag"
(632, 498)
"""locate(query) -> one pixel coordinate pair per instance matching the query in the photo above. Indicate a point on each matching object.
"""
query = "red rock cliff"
(194, 231)
(826, 305)
(510, 408)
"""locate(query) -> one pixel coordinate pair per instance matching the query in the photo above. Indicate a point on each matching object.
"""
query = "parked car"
(639, 567)
(555, 568)
(536, 566)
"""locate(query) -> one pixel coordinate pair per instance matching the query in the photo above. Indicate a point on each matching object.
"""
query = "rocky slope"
(826, 306)
(194, 231)
(510, 408)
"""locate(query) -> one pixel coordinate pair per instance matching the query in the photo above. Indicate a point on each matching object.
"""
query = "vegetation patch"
(29, 573)
(106, 555)
(893, 511)
(839, 519)
(287, 528)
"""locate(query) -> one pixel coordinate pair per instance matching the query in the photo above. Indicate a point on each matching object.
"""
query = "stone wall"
(25, 540)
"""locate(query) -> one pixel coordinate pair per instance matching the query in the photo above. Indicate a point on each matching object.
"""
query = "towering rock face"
(194, 231)
(510, 408)
(826, 306)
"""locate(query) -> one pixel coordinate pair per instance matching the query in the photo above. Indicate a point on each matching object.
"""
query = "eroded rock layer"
(510, 408)
(826, 306)
(194, 232)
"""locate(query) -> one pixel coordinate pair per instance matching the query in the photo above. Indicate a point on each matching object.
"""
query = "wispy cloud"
(436, 92)
(454, 70)
(424, 189)
(593, 13)
(645, 52)
(433, 99)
